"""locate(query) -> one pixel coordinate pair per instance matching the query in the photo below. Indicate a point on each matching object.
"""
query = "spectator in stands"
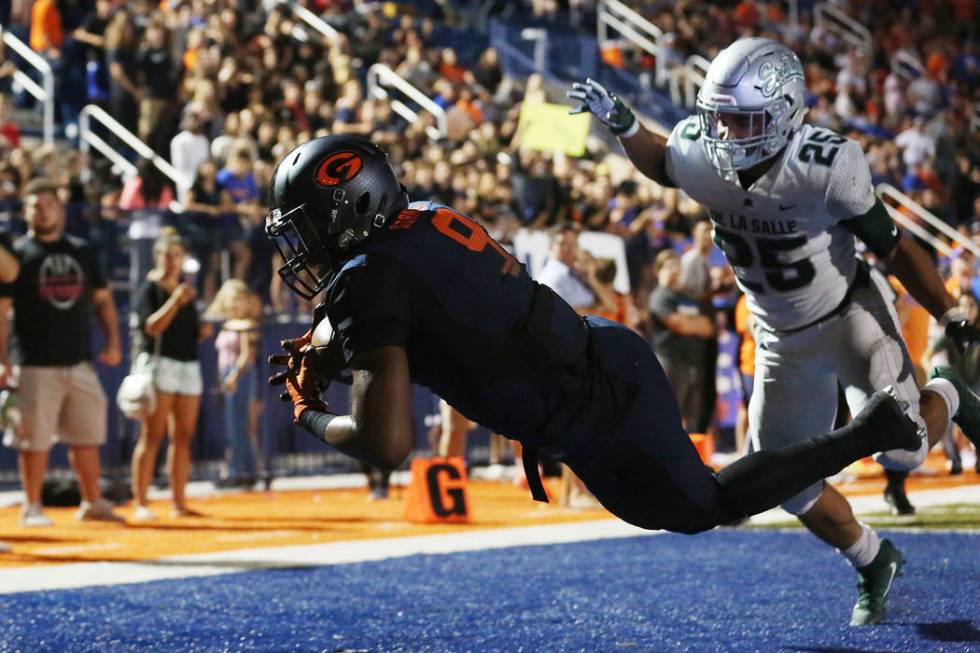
(147, 198)
(238, 180)
(216, 225)
(917, 146)
(59, 393)
(571, 274)
(156, 86)
(486, 73)
(9, 131)
(537, 190)
(121, 54)
(47, 36)
(170, 329)
(91, 33)
(681, 335)
(189, 148)
(964, 188)
(237, 343)
(625, 311)
(695, 277)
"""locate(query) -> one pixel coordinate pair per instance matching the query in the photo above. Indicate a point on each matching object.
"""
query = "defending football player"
(786, 200)
(421, 293)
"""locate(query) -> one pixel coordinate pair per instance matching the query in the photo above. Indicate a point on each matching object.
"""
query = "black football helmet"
(327, 195)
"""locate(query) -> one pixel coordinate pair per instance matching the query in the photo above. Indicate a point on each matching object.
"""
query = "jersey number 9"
(472, 236)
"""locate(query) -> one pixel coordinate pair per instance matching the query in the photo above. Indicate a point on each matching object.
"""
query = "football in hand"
(328, 357)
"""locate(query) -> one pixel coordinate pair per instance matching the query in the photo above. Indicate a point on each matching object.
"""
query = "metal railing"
(889, 192)
(828, 17)
(314, 21)
(43, 92)
(640, 31)
(695, 69)
(380, 78)
(87, 138)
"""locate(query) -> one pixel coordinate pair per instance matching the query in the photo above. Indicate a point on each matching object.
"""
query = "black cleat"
(899, 502)
(885, 424)
(895, 493)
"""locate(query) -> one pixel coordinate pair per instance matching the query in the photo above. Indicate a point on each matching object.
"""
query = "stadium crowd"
(223, 89)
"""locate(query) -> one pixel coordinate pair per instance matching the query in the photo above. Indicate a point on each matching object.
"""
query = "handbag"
(137, 395)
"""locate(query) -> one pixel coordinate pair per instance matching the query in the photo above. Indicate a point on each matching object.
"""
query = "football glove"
(301, 384)
(602, 104)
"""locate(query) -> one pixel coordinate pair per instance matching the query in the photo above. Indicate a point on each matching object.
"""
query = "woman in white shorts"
(170, 329)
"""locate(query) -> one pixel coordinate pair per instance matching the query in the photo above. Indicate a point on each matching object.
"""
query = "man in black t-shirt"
(58, 285)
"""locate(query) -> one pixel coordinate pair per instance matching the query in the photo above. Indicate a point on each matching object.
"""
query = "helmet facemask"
(296, 239)
(737, 139)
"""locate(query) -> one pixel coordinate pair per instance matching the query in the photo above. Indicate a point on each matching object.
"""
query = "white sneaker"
(100, 510)
(32, 516)
(143, 513)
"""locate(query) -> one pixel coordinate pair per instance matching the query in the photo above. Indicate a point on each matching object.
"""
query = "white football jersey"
(782, 236)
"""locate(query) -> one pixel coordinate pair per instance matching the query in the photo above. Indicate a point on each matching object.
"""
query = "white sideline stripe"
(88, 574)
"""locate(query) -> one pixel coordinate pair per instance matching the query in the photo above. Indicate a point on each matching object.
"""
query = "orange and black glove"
(301, 385)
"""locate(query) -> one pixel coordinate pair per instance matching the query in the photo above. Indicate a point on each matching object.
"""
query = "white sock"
(861, 553)
(947, 391)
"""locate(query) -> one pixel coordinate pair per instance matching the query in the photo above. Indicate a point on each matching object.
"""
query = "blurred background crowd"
(222, 89)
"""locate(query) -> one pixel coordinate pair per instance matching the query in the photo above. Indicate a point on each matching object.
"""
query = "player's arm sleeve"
(370, 306)
(851, 200)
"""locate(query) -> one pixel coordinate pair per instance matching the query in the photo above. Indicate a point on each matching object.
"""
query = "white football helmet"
(752, 101)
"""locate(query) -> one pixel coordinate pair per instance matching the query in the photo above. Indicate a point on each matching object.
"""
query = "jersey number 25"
(780, 276)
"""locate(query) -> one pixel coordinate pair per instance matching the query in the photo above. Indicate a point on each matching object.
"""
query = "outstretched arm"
(647, 150)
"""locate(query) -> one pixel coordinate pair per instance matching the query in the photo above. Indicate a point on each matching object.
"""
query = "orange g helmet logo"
(338, 168)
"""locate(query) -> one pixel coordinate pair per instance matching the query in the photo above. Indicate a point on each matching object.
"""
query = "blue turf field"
(722, 591)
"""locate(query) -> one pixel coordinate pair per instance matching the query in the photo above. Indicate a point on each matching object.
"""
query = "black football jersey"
(502, 349)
